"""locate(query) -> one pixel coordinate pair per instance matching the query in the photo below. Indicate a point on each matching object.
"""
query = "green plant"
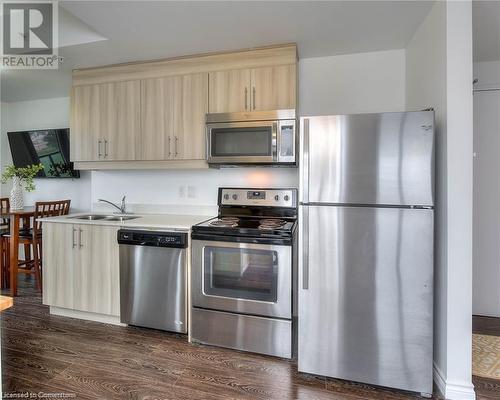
(25, 175)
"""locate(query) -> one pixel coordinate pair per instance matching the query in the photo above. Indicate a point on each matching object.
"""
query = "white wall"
(192, 188)
(460, 195)
(42, 114)
(439, 75)
(352, 83)
(426, 87)
(486, 270)
(487, 74)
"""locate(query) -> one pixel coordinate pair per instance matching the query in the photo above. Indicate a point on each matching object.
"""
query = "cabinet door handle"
(253, 97)
(176, 142)
(246, 98)
(80, 244)
(169, 147)
(99, 154)
(74, 238)
(105, 149)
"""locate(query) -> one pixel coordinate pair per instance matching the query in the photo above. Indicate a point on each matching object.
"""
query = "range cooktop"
(247, 226)
(252, 213)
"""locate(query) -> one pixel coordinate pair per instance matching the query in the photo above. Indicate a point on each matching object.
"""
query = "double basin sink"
(99, 217)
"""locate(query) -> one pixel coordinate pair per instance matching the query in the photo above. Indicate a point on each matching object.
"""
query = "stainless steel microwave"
(257, 137)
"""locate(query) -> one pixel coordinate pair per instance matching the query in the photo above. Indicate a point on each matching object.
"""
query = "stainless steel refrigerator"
(366, 252)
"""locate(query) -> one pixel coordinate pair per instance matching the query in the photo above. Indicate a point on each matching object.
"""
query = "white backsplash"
(174, 209)
(191, 192)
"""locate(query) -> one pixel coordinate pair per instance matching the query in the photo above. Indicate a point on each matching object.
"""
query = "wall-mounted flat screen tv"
(49, 147)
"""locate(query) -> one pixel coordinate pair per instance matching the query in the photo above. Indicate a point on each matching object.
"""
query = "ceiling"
(94, 33)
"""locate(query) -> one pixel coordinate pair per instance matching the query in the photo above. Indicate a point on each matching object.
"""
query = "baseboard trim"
(89, 316)
(439, 380)
(453, 390)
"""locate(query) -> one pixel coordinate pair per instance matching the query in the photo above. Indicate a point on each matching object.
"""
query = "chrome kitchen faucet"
(122, 207)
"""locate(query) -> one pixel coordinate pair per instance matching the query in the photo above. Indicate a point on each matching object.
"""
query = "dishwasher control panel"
(152, 238)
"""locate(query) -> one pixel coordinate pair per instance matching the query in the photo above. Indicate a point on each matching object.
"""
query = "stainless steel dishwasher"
(153, 279)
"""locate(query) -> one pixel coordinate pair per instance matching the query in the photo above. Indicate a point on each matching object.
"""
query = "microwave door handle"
(274, 142)
(208, 147)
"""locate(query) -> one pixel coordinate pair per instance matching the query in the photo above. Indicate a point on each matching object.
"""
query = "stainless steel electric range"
(243, 272)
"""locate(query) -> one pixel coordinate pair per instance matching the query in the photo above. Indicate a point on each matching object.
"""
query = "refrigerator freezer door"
(365, 295)
(385, 159)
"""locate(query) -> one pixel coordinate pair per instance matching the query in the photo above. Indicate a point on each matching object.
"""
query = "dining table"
(15, 218)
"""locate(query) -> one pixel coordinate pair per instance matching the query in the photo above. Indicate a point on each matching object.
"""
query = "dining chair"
(33, 236)
(4, 228)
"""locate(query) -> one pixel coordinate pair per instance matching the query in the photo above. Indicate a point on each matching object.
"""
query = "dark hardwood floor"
(87, 360)
(486, 325)
(486, 389)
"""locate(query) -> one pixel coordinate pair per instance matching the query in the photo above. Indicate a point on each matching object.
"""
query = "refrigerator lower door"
(366, 295)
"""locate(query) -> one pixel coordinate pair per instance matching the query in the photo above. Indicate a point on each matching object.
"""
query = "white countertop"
(146, 221)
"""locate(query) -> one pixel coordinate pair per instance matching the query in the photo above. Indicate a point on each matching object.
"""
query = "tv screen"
(49, 147)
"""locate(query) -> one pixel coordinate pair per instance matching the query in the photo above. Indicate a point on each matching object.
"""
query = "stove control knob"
(286, 198)
(226, 197)
(235, 196)
(277, 198)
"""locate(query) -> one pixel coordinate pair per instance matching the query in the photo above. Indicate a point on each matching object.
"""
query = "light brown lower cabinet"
(81, 268)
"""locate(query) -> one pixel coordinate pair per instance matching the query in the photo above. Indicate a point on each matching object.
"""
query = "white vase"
(16, 194)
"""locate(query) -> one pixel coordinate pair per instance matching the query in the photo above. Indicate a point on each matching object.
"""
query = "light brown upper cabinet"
(84, 123)
(157, 118)
(105, 121)
(173, 117)
(120, 120)
(229, 91)
(273, 88)
(256, 89)
(152, 114)
(190, 108)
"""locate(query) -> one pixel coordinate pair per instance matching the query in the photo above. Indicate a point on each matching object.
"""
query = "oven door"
(244, 278)
(242, 142)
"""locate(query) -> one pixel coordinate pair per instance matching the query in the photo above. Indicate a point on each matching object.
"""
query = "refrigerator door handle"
(304, 163)
(305, 248)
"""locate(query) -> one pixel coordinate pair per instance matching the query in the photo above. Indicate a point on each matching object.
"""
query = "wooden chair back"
(4, 205)
(45, 209)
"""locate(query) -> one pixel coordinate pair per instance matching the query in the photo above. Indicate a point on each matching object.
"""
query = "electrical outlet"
(191, 192)
(182, 192)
